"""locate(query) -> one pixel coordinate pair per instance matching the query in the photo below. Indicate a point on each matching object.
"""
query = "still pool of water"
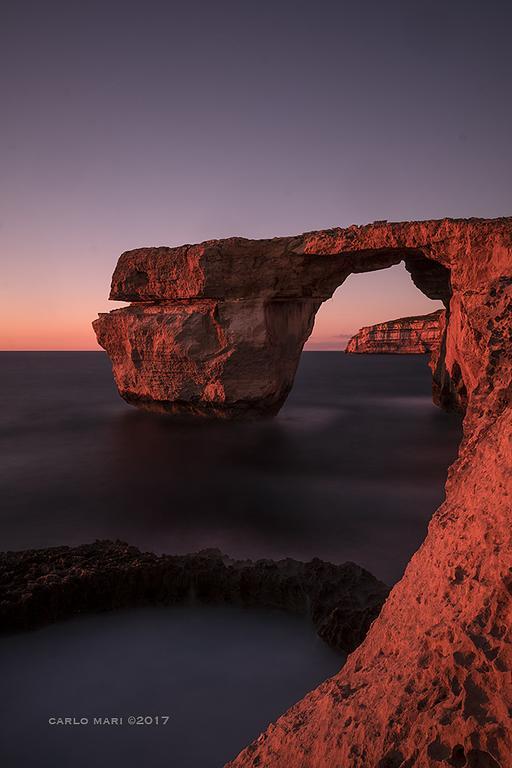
(221, 674)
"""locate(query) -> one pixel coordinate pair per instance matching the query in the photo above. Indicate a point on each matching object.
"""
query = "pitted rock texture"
(431, 685)
(44, 585)
(405, 336)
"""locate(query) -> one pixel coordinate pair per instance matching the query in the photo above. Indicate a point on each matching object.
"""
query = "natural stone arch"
(217, 329)
(431, 682)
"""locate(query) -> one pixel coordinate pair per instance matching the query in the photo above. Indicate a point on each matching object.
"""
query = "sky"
(128, 124)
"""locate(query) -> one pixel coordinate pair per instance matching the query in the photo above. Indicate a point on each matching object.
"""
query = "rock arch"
(217, 329)
(431, 684)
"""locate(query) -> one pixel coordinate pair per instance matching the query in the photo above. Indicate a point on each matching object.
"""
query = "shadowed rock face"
(405, 336)
(45, 585)
(431, 684)
(207, 357)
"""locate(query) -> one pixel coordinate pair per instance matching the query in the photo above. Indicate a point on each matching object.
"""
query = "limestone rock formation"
(206, 356)
(405, 336)
(431, 685)
(44, 585)
(216, 329)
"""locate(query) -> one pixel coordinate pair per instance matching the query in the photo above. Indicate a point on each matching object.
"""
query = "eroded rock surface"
(216, 329)
(431, 685)
(405, 336)
(44, 585)
(207, 357)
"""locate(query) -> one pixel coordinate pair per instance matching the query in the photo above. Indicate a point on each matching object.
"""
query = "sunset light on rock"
(256, 377)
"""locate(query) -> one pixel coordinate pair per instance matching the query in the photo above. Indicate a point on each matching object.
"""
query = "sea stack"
(405, 336)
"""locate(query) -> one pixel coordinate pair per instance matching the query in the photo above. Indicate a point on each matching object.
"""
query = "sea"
(351, 469)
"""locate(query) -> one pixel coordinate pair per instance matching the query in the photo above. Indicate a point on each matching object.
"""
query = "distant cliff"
(407, 335)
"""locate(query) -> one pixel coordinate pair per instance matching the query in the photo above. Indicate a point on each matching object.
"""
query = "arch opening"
(363, 300)
(433, 281)
(385, 440)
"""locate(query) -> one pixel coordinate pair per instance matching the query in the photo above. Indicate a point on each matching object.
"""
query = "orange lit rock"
(206, 357)
(216, 329)
(431, 686)
(405, 336)
(432, 683)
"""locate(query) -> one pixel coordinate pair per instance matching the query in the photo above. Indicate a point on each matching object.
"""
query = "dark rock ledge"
(40, 586)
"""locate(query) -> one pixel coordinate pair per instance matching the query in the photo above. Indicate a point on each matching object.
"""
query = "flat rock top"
(431, 318)
(296, 266)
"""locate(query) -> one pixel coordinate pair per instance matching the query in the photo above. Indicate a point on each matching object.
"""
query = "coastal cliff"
(405, 336)
(217, 329)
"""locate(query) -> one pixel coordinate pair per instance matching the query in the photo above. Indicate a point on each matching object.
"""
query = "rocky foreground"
(405, 336)
(40, 586)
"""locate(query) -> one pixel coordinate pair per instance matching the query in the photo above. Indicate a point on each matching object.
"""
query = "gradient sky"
(128, 123)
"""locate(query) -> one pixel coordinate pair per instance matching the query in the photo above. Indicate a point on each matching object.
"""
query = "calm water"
(351, 469)
(221, 674)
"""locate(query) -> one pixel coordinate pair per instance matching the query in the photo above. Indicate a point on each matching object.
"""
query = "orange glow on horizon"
(60, 324)
(61, 329)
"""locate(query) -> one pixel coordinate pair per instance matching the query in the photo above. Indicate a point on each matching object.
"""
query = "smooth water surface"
(351, 469)
(221, 674)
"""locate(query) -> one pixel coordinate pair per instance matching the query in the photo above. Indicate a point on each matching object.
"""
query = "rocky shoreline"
(41, 586)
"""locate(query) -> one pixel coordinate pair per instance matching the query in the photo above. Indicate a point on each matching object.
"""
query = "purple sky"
(138, 123)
